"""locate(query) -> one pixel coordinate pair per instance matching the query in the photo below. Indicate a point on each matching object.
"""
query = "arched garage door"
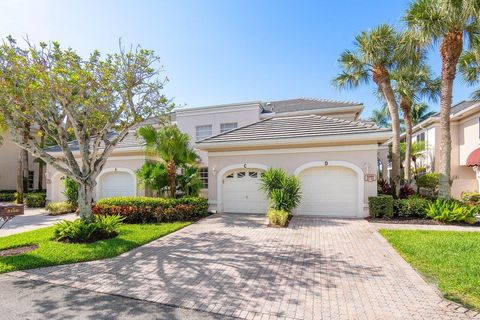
(116, 184)
(329, 191)
(241, 192)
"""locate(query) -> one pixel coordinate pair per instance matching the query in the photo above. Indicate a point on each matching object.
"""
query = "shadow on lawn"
(228, 261)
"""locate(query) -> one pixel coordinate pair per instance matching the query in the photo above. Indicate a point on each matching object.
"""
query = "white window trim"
(233, 124)
(203, 128)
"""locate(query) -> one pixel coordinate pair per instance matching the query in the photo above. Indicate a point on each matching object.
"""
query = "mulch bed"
(419, 221)
(17, 251)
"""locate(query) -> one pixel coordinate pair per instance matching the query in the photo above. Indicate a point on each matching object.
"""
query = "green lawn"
(51, 253)
(449, 259)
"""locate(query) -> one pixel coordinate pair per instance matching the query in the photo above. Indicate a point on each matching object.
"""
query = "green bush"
(282, 190)
(277, 217)
(429, 181)
(472, 197)
(56, 208)
(71, 192)
(7, 197)
(411, 207)
(451, 211)
(381, 206)
(146, 209)
(35, 200)
(81, 231)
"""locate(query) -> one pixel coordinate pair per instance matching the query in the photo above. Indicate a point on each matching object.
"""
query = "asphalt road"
(26, 299)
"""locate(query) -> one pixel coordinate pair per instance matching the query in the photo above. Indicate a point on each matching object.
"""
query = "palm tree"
(449, 23)
(413, 81)
(469, 66)
(172, 146)
(420, 113)
(374, 57)
(381, 117)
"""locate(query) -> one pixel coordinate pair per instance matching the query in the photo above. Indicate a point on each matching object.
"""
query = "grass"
(449, 259)
(51, 252)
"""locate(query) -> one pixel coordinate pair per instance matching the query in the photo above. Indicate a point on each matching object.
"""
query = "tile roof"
(295, 127)
(304, 104)
(459, 107)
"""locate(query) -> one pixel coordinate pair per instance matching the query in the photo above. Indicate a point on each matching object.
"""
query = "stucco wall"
(291, 160)
(9, 153)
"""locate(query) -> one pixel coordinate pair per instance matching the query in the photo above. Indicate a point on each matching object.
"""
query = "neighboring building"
(465, 134)
(9, 154)
(321, 141)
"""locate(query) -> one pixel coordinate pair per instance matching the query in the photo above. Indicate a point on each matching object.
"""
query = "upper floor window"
(224, 127)
(421, 137)
(203, 172)
(31, 177)
(202, 132)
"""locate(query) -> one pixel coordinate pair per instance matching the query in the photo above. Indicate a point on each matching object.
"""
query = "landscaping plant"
(81, 231)
(71, 192)
(429, 181)
(413, 207)
(35, 200)
(277, 217)
(381, 206)
(451, 211)
(56, 208)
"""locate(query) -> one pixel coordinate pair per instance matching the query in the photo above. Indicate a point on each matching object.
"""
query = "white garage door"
(329, 191)
(241, 192)
(116, 184)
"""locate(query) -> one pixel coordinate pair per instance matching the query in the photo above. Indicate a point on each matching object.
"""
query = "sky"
(221, 51)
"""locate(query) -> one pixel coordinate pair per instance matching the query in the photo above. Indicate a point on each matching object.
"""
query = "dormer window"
(203, 132)
(225, 127)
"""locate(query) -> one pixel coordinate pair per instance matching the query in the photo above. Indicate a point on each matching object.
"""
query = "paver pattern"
(438, 227)
(234, 265)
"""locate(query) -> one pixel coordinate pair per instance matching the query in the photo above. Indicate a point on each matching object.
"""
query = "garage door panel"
(329, 191)
(241, 192)
(117, 184)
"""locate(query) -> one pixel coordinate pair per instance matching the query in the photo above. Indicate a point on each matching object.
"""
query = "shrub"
(81, 231)
(282, 190)
(383, 187)
(55, 208)
(35, 200)
(411, 207)
(277, 217)
(406, 191)
(381, 206)
(472, 197)
(429, 181)
(146, 209)
(7, 197)
(71, 192)
(451, 211)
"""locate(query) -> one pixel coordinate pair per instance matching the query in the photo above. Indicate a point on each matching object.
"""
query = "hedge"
(35, 200)
(381, 206)
(146, 209)
(411, 207)
(7, 197)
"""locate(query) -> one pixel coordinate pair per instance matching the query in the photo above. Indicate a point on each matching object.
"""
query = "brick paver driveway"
(234, 265)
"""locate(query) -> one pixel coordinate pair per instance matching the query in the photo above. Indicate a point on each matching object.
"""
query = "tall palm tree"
(420, 112)
(374, 57)
(413, 81)
(469, 67)
(381, 117)
(449, 23)
(172, 146)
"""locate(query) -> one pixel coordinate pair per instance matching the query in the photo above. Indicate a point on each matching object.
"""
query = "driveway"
(234, 265)
(33, 218)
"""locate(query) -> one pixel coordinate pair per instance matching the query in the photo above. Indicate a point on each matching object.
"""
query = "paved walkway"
(234, 265)
(33, 218)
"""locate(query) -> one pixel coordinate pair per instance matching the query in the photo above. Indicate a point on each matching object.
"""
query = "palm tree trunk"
(450, 50)
(407, 118)
(382, 79)
(40, 162)
(20, 179)
(172, 177)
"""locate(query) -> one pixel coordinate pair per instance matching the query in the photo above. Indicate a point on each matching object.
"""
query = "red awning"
(474, 158)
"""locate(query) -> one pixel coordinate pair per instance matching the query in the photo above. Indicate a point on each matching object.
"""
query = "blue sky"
(220, 51)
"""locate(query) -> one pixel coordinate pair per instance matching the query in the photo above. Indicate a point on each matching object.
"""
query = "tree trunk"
(20, 178)
(172, 177)
(25, 167)
(40, 175)
(407, 118)
(450, 50)
(85, 199)
(382, 79)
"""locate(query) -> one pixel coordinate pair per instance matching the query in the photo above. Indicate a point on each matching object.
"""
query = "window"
(224, 127)
(230, 176)
(421, 137)
(253, 174)
(203, 132)
(203, 172)
(240, 174)
(31, 175)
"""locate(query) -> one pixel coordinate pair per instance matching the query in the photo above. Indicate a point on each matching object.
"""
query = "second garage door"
(241, 192)
(329, 191)
(117, 184)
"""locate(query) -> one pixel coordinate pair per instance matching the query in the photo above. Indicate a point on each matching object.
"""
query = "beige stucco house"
(321, 141)
(465, 134)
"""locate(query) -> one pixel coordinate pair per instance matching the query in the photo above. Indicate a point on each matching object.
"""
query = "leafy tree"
(189, 181)
(449, 23)
(153, 175)
(417, 150)
(71, 192)
(283, 191)
(172, 145)
(420, 113)
(375, 56)
(381, 117)
(98, 100)
(469, 67)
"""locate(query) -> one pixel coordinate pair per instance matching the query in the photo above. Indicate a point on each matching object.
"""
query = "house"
(465, 135)
(321, 141)
(9, 155)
